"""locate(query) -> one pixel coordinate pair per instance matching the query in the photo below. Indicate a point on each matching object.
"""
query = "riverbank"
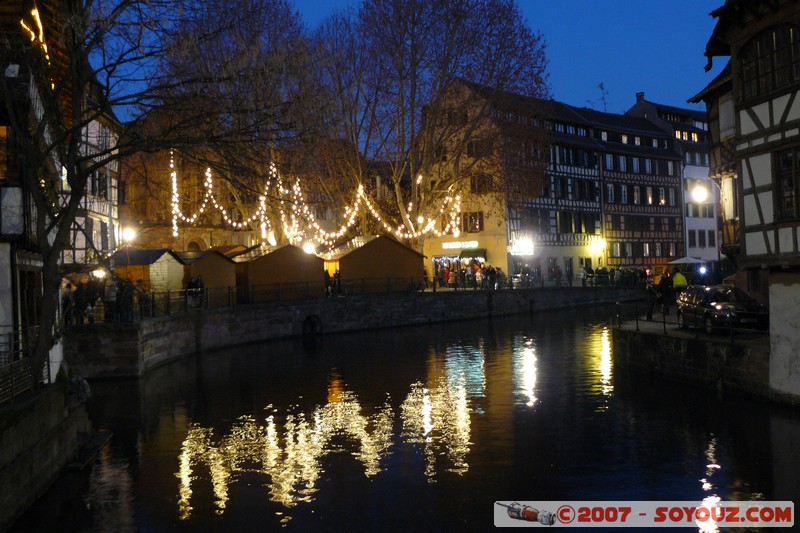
(130, 350)
(737, 362)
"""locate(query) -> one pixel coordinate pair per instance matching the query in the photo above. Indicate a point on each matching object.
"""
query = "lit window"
(662, 197)
(646, 249)
(604, 135)
(3, 152)
(624, 139)
(694, 137)
(637, 141)
(788, 183)
(684, 135)
(677, 134)
(648, 192)
(636, 194)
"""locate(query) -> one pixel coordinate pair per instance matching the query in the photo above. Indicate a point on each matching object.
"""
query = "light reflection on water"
(287, 457)
(430, 424)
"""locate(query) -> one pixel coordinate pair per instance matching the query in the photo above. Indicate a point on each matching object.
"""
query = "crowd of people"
(94, 300)
(666, 292)
(469, 275)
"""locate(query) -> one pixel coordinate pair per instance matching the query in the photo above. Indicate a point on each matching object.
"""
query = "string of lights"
(294, 212)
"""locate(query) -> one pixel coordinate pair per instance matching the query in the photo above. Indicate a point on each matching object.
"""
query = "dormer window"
(770, 62)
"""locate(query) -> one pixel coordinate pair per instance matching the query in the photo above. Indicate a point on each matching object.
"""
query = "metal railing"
(16, 371)
(143, 305)
(669, 320)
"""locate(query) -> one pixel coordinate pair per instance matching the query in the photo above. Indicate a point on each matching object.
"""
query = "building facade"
(754, 111)
(701, 195)
(589, 191)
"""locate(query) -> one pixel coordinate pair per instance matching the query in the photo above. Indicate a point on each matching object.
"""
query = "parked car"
(720, 306)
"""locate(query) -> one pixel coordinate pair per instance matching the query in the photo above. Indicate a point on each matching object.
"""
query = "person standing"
(678, 283)
(666, 291)
(652, 297)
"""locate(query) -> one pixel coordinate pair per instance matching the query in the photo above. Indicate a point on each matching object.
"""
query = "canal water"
(421, 428)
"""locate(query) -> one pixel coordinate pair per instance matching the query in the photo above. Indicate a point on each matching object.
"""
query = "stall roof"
(356, 243)
(346, 248)
(132, 256)
(190, 257)
(229, 250)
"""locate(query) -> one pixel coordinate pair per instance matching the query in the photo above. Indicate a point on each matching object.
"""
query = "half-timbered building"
(700, 195)
(755, 105)
(572, 190)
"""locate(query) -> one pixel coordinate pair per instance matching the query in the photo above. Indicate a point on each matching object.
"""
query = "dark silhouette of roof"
(132, 256)
(189, 258)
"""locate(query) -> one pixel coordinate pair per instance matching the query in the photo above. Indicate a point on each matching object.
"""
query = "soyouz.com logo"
(758, 514)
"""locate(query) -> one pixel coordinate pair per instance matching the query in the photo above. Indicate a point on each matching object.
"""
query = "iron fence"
(144, 305)
(640, 315)
(16, 370)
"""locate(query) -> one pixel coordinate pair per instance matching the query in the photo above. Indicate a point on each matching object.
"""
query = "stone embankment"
(129, 350)
(736, 362)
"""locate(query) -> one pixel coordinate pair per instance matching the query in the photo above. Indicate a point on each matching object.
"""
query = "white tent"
(686, 261)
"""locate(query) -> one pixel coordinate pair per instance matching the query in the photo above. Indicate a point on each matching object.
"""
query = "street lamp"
(128, 235)
(597, 248)
(701, 194)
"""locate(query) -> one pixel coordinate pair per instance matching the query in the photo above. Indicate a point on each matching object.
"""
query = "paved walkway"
(668, 325)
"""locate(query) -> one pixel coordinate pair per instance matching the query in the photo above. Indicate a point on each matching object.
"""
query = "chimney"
(639, 97)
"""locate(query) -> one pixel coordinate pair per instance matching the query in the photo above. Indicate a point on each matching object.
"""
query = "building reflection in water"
(606, 387)
(712, 466)
(599, 369)
(290, 455)
(525, 370)
(436, 417)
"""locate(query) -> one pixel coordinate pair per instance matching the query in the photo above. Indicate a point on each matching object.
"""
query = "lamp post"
(128, 235)
(700, 194)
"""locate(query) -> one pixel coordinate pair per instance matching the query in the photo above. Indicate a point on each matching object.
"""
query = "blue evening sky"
(630, 46)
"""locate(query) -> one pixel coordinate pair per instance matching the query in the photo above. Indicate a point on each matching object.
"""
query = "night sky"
(651, 46)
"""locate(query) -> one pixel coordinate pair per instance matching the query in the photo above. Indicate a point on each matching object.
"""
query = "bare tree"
(389, 69)
(91, 59)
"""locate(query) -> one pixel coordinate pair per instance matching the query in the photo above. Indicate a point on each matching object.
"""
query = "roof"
(617, 122)
(357, 242)
(189, 258)
(346, 248)
(132, 256)
(695, 114)
(258, 251)
(230, 249)
(254, 252)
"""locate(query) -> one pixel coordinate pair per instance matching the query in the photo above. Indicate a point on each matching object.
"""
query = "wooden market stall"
(211, 270)
(279, 272)
(159, 269)
(375, 264)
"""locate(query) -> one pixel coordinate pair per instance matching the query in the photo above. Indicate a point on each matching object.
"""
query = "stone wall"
(738, 367)
(112, 350)
(784, 300)
(40, 433)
